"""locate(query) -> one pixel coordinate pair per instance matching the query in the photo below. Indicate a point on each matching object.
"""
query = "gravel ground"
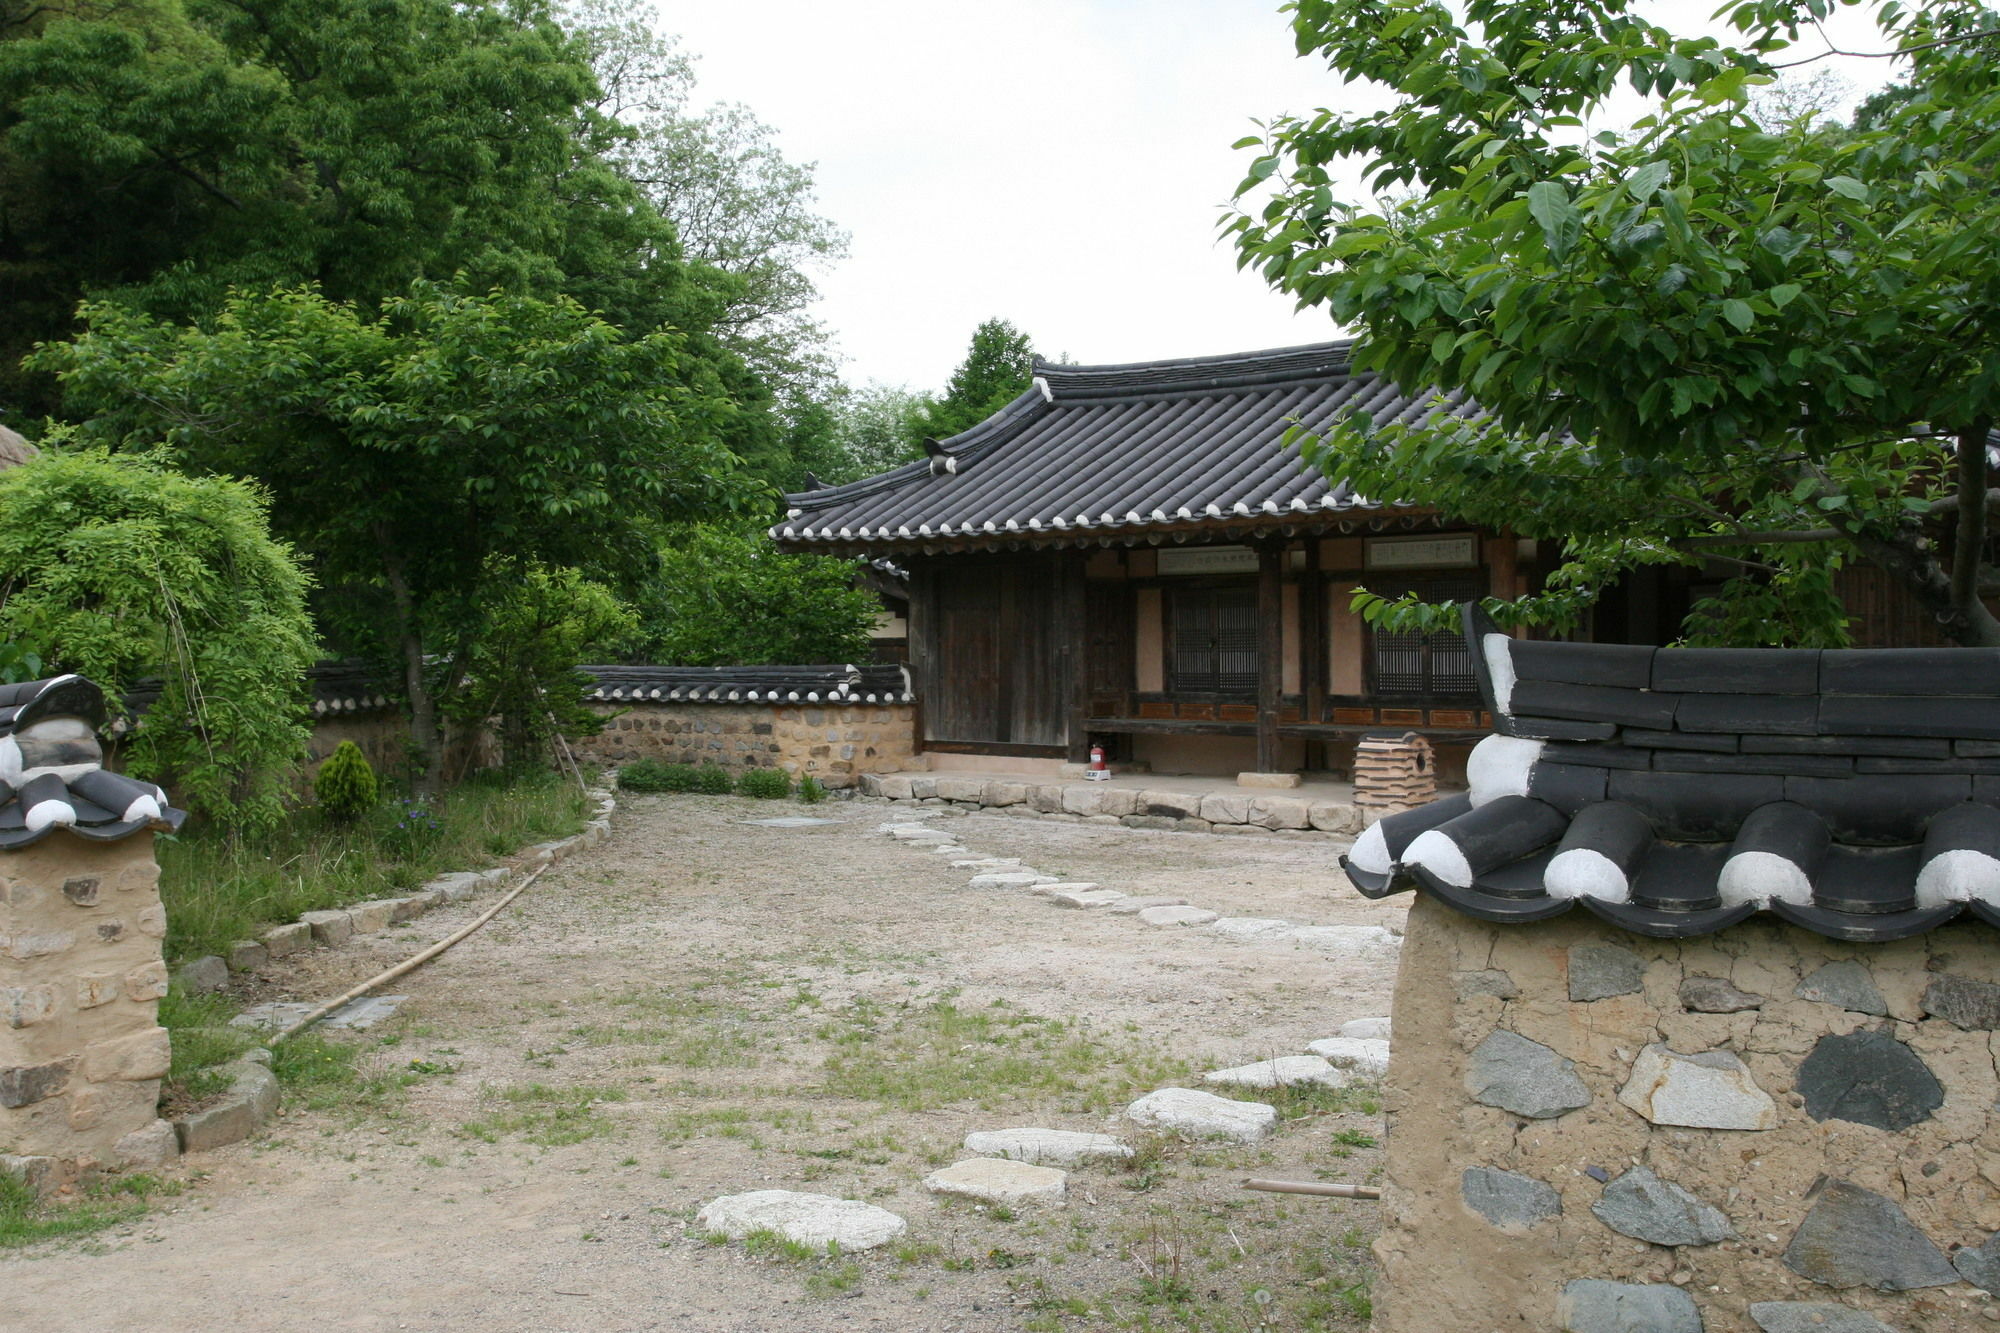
(702, 1006)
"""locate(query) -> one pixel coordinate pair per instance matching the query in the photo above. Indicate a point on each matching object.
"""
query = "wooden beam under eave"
(1270, 650)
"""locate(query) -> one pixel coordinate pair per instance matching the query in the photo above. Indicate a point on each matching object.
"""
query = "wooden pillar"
(1073, 634)
(923, 645)
(1312, 648)
(1270, 649)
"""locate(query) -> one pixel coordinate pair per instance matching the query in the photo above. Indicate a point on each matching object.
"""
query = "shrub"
(345, 787)
(810, 791)
(713, 780)
(770, 784)
(652, 775)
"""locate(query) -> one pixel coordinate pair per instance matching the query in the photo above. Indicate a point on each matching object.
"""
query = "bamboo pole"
(1313, 1187)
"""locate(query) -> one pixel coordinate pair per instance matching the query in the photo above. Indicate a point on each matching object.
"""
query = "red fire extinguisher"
(1097, 772)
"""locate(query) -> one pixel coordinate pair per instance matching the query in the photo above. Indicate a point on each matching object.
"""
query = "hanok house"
(1129, 555)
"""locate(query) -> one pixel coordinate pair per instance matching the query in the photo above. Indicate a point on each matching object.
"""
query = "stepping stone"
(949, 849)
(987, 863)
(1176, 916)
(1085, 897)
(1342, 939)
(1203, 1115)
(818, 1220)
(789, 821)
(1366, 1029)
(1134, 906)
(1366, 1056)
(998, 1180)
(1248, 928)
(272, 1016)
(1065, 886)
(1287, 1071)
(1047, 1147)
(1010, 879)
(921, 835)
(364, 1013)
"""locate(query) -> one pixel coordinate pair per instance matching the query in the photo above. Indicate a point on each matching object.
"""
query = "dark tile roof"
(835, 683)
(1120, 450)
(50, 774)
(1676, 791)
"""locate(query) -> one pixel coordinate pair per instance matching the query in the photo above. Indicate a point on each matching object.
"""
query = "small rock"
(1506, 1199)
(282, 941)
(1600, 971)
(1845, 983)
(203, 976)
(1366, 1029)
(149, 1148)
(1134, 906)
(374, 915)
(1714, 995)
(1813, 1317)
(1964, 1003)
(1857, 1238)
(1284, 1072)
(1176, 916)
(1358, 940)
(1203, 1115)
(1590, 1305)
(818, 1220)
(1366, 1056)
(1492, 981)
(1010, 879)
(1084, 897)
(247, 955)
(1250, 928)
(1980, 1264)
(1641, 1205)
(1869, 1078)
(1047, 1147)
(329, 928)
(1708, 1090)
(998, 1180)
(1515, 1074)
(251, 1100)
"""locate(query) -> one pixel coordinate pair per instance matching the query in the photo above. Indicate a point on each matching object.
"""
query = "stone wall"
(1755, 1130)
(81, 1048)
(834, 743)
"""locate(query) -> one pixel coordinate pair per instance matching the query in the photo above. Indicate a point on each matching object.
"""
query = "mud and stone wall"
(1758, 1131)
(82, 1052)
(834, 743)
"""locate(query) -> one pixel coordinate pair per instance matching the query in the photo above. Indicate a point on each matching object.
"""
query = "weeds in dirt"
(28, 1220)
(551, 1117)
(922, 1055)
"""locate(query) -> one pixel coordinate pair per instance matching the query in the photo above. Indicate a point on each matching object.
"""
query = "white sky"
(1058, 163)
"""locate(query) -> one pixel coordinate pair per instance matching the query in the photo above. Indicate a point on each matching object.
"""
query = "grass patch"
(219, 889)
(203, 1042)
(26, 1220)
(552, 1117)
(923, 1055)
(320, 1073)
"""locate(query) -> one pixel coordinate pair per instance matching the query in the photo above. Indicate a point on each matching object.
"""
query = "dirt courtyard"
(704, 1006)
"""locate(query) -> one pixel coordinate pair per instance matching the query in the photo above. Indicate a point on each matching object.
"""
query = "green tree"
(123, 571)
(998, 368)
(523, 666)
(869, 430)
(163, 151)
(415, 453)
(724, 596)
(1714, 336)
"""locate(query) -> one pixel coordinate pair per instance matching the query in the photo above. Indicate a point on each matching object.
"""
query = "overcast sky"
(1058, 163)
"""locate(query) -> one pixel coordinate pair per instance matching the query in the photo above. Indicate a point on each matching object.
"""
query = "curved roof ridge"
(1272, 365)
(969, 445)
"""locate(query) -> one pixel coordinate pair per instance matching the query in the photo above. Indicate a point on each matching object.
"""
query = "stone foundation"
(1760, 1129)
(834, 743)
(81, 1049)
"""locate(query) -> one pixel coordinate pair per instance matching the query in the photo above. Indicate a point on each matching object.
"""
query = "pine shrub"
(652, 775)
(713, 780)
(811, 791)
(345, 786)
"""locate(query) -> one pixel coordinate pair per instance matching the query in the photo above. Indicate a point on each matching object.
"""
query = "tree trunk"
(1950, 595)
(426, 741)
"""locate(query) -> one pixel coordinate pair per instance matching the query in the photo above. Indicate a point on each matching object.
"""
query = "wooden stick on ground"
(1314, 1187)
(408, 964)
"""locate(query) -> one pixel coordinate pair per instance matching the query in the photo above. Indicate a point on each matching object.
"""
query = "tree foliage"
(163, 151)
(725, 596)
(123, 571)
(1713, 336)
(415, 453)
(998, 367)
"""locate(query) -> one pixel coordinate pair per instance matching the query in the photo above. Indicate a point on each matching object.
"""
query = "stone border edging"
(253, 1093)
(1160, 808)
